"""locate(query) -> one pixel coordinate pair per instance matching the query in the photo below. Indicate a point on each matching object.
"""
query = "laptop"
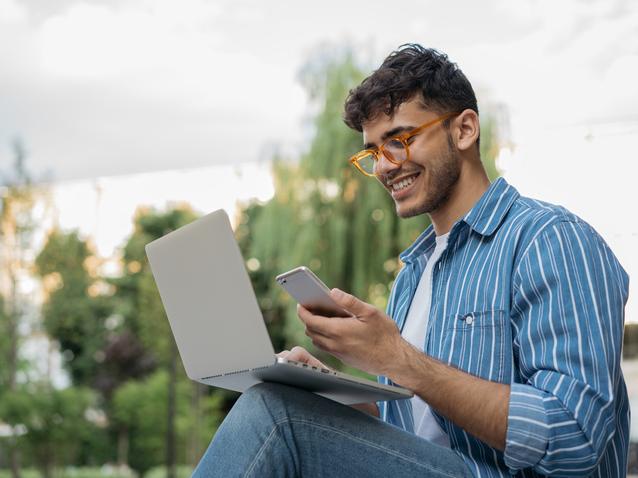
(218, 326)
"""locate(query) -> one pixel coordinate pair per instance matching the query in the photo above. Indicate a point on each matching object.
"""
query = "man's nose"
(384, 165)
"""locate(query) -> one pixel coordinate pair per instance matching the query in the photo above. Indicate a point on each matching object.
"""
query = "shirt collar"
(484, 218)
(425, 241)
(488, 213)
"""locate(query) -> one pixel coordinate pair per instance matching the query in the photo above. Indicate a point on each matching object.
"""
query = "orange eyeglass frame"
(402, 138)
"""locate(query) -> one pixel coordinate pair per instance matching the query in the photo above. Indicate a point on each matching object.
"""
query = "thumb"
(349, 302)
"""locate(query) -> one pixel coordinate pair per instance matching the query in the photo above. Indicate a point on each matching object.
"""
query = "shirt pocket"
(475, 343)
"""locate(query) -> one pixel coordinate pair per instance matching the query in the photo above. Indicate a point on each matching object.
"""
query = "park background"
(122, 120)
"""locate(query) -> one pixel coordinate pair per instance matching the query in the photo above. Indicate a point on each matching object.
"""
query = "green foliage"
(151, 439)
(160, 472)
(54, 421)
(4, 342)
(24, 473)
(326, 215)
(17, 198)
(137, 298)
(75, 472)
(140, 408)
(71, 315)
(115, 333)
(489, 146)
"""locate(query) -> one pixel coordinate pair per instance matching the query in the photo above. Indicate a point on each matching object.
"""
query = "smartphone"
(307, 289)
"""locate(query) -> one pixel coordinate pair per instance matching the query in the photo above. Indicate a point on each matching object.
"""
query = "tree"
(17, 197)
(141, 407)
(16, 225)
(326, 215)
(143, 311)
(54, 422)
(335, 220)
(74, 312)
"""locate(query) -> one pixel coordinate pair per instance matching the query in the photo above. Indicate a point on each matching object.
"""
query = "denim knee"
(279, 402)
(265, 389)
(271, 396)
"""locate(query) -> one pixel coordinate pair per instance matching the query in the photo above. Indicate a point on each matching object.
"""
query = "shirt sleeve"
(568, 312)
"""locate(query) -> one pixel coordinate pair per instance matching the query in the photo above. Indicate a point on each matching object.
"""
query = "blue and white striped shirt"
(530, 295)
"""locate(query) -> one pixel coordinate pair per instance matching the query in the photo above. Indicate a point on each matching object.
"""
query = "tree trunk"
(12, 314)
(45, 460)
(47, 469)
(16, 202)
(122, 447)
(14, 460)
(170, 429)
(195, 446)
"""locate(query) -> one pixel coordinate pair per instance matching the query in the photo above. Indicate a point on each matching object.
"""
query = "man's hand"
(371, 341)
(366, 341)
(299, 354)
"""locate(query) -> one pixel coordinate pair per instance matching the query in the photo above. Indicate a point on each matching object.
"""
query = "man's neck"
(472, 184)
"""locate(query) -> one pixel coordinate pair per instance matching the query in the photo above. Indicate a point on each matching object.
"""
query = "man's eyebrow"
(389, 134)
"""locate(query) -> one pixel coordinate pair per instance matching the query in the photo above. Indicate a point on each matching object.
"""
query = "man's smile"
(401, 186)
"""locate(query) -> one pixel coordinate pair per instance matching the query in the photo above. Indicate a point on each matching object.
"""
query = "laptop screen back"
(208, 298)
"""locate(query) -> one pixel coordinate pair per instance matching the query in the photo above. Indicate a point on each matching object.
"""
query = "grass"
(72, 472)
(99, 472)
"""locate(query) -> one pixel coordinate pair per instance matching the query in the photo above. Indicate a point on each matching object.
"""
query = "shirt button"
(469, 320)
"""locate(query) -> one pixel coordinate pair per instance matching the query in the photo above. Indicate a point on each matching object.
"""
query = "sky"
(100, 88)
(123, 94)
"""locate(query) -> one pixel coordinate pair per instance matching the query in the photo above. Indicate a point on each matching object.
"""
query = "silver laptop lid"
(208, 298)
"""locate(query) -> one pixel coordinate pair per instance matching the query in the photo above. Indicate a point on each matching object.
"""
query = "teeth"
(403, 183)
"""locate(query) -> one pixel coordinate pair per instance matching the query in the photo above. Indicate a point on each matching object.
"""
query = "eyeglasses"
(396, 149)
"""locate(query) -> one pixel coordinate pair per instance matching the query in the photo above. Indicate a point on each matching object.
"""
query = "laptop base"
(341, 388)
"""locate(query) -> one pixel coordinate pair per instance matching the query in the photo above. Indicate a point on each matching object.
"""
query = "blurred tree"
(338, 223)
(17, 198)
(265, 235)
(75, 310)
(16, 225)
(490, 144)
(141, 408)
(326, 215)
(141, 307)
(54, 423)
(124, 357)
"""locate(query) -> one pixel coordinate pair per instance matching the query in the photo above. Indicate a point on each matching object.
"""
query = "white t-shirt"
(414, 330)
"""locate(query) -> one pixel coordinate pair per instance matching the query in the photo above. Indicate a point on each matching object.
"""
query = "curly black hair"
(407, 71)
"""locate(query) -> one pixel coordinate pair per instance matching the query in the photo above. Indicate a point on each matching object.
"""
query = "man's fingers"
(299, 354)
(323, 343)
(349, 302)
(283, 354)
(316, 324)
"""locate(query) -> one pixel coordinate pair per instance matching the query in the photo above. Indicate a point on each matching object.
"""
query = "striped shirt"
(530, 295)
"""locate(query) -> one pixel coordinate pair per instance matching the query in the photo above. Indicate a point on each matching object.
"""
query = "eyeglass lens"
(394, 150)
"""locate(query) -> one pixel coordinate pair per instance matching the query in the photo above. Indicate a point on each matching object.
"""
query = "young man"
(506, 320)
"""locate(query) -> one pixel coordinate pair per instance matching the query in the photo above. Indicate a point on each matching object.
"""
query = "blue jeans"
(279, 431)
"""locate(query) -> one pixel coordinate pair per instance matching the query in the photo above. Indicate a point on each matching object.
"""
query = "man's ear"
(466, 129)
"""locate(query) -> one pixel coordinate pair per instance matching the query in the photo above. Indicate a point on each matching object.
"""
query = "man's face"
(425, 182)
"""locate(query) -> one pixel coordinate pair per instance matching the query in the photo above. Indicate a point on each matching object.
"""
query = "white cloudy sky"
(106, 88)
(100, 88)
